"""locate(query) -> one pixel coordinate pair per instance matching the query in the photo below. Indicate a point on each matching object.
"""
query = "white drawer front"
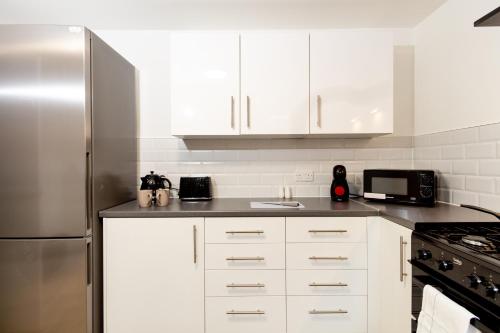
(327, 314)
(327, 282)
(245, 283)
(245, 256)
(245, 314)
(326, 229)
(326, 256)
(245, 230)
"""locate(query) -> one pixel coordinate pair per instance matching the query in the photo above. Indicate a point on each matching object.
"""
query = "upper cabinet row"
(282, 83)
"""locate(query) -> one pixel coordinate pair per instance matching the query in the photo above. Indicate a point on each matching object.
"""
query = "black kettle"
(155, 182)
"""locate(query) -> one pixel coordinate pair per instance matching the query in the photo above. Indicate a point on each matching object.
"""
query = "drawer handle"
(339, 311)
(328, 258)
(233, 232)
(327, 231)
(245, 259)
(256, 312)
(340, 284)
(250, 285)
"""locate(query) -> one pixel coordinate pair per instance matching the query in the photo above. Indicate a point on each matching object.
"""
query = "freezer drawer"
(44, 286)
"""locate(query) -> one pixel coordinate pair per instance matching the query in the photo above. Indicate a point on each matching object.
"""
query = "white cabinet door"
(389, 277)
(205, 83)
(351, 82)
(275, 83)
(154, 275)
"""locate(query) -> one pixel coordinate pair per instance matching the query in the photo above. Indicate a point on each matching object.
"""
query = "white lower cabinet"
(244, 275)
(266, 314)
(154, 275)
(326, 314)
(326, 282)
(245, 283)
(389, 277)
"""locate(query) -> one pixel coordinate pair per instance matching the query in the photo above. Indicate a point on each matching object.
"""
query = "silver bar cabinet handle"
(248, 111)
(256, 312)
(245, 285)
(328, 258)
(402, 247)
(318, 109)
(195, 248)
(340, 284)
(245, 258)
(327, 231)
(232, 111)
(233, 232)
(339, 311)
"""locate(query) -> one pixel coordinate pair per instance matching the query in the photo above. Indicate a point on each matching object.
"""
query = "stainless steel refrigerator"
(68, 148)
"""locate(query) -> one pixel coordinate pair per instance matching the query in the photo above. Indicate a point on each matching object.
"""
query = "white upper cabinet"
(351, 82)
(205, 83)
(275, 82)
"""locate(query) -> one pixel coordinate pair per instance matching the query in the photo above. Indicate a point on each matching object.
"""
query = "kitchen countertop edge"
(407, 216)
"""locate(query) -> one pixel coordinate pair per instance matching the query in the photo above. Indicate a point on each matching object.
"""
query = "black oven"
(454, 283)
(416, 187)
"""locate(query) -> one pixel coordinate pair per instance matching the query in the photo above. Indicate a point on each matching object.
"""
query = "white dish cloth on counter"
(439, 314)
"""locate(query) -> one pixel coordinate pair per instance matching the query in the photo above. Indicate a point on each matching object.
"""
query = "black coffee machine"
(154, 182)
(340, 189)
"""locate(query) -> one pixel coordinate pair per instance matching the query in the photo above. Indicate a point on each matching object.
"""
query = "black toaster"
(195, 189)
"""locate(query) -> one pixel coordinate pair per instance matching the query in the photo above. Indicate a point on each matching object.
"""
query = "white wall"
(457, 68)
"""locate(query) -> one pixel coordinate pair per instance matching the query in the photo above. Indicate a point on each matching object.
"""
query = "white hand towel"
(449, 317)
(439, 314)
(427, 312)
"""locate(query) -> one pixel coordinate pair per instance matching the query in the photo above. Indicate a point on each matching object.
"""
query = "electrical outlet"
(304, 176)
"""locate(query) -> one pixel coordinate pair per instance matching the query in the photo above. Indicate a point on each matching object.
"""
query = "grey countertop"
(408, 216)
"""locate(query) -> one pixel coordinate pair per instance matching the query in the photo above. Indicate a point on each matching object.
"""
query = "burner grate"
(485, 240)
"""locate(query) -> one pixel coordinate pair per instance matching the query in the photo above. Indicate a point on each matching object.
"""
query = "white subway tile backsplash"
(271, 179)
(395, 154)
(462, 197)
(422, 164)
(341, 154)
(467, 162)
(427, 153)
(466, 135)
(490, 202)
(305, 191)
(249, 179)
(444, 195)
(442, 166)
(489, 132)
(452, 182)
(453, 152)
(465, 167)
(481, 150)
(489, 167)
(366, 154)
(480, 184)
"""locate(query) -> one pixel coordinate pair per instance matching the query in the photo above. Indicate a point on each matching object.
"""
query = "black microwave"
(416, 187)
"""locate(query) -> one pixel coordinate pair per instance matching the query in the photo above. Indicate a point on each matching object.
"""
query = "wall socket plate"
(304, 176)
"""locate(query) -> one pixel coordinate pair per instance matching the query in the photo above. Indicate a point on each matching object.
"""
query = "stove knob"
(491, 290)
(424, 254)
(474, 281)
(445, 265)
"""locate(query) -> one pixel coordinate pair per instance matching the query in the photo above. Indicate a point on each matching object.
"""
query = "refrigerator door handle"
(89, 263)
(88, 191)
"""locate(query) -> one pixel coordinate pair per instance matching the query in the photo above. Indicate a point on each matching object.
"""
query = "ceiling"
(217, 14)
